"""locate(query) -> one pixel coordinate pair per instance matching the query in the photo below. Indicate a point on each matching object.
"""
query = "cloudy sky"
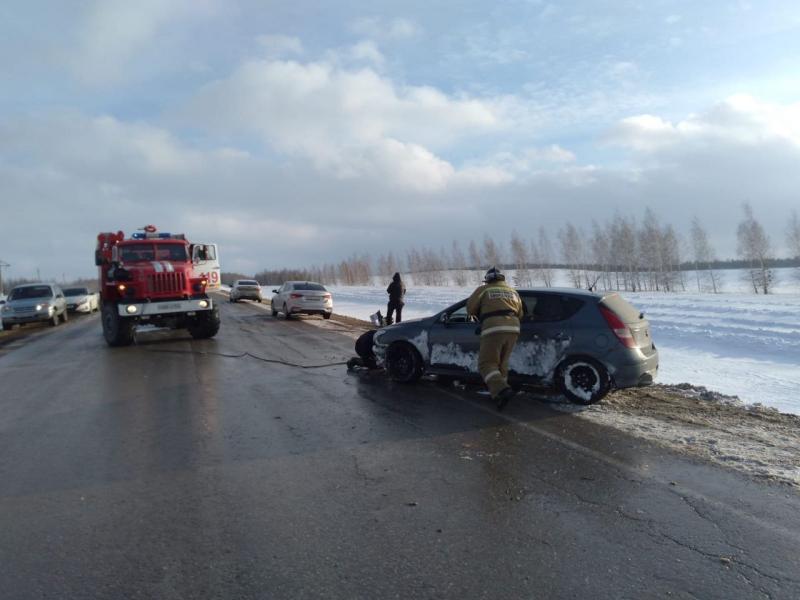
(294, 133)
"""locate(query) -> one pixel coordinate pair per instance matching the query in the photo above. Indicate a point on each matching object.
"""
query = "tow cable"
(246, 354)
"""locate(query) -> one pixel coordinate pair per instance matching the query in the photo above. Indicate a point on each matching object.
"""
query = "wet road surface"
(173, 469)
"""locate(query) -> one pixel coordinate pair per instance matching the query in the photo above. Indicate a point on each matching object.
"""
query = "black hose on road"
(245, 354)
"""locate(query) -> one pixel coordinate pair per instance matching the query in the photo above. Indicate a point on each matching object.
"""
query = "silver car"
(80, 299)
(302, 297)
(583, 343)
(245, 289)
(32, 303)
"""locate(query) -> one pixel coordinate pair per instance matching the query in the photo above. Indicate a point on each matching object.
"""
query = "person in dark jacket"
(397, 292)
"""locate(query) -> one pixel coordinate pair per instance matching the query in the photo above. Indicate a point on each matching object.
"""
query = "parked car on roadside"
(80, 299)
(34, 302)
(583, 343)
(302, 297)
(245, 289)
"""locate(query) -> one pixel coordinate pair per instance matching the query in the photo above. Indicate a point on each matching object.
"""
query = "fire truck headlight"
(131, 309)
(203, 304)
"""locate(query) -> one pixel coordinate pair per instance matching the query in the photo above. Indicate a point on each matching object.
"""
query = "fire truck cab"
(156, 279)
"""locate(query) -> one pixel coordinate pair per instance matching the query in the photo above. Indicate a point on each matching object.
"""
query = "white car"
(245, 289)
(302, 297)
(80, 299)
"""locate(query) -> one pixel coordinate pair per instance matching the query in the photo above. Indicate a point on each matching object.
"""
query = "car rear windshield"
(34, 291)
(624, 309)
(76, 292)
(316, 287)
(244, 282)
(145, 252)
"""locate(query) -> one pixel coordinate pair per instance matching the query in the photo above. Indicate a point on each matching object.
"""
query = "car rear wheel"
(403, 363)
(326, 315)
(583, 380)
(286, 314)
(273, 310)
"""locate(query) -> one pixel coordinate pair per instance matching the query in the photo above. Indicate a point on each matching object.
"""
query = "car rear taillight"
(621, 331)
(295, 295)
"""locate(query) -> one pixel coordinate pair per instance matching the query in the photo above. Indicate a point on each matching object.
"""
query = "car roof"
(580, 293)
(23, 285)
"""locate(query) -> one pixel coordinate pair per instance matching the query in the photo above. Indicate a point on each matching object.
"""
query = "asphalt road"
(167, 470)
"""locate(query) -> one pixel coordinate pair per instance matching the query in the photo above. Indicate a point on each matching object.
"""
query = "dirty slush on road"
(754, 439)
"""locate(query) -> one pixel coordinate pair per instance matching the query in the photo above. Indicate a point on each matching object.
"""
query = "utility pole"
(2, 264)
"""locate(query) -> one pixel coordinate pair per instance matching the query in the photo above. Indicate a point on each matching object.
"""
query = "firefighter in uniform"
(498, 307)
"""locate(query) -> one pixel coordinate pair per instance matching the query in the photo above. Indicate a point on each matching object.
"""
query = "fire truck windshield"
(144, 252)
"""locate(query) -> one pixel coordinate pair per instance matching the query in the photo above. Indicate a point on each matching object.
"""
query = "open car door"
(206, 262)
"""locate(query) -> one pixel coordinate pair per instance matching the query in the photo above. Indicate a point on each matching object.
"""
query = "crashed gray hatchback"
(584, 343)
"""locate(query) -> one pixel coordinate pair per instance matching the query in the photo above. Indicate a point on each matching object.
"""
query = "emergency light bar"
(141, 235)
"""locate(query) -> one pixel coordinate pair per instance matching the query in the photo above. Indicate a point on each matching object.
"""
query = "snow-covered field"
(734, 342)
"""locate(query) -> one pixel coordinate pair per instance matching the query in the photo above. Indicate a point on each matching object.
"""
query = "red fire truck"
(157, 279)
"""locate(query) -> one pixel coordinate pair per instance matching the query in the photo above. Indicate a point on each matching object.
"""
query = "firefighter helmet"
(493, 274)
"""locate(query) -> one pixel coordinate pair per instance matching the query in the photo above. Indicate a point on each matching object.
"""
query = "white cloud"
(366, 51)
(740, 119)
(352, 122)
(114, 31)
(672, 19)
(384, 29)
(277, 46)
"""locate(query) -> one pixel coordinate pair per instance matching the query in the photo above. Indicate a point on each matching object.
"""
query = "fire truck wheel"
(205, 325)
(117, 330)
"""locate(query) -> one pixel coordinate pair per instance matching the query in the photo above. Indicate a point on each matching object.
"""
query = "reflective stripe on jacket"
(496, 297)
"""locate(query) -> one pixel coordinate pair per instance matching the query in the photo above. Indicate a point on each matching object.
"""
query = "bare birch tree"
(458, 263)
(491, 253)
(475, 259)
(703, 254)
(601, 257)
(520, 257)
(754, 247)
(572, 252)
(542, 257)
(793, 239)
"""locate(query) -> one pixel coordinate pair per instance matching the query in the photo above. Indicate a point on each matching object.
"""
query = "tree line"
(621, 254)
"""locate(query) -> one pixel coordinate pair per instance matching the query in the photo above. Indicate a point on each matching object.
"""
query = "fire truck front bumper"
(146, 309)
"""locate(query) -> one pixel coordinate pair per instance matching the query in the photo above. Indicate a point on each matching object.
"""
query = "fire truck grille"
(166, 283)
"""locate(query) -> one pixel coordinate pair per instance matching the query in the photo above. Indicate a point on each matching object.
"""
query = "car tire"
(118, 331)
(326, 315)
(403, 363)
(286, 314)
(583, 380)
(273, 311)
